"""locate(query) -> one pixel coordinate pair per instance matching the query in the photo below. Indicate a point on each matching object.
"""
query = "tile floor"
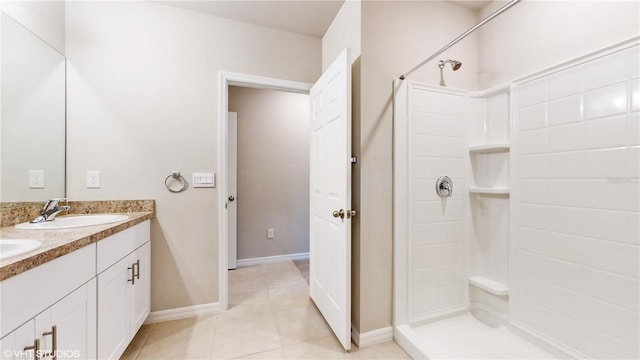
(270, 316)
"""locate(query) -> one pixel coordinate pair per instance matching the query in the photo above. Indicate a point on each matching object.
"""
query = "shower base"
(465, 337)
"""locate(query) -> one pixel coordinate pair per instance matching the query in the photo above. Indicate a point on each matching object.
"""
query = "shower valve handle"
(444, 186)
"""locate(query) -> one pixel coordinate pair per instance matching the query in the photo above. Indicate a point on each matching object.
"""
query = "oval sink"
(13, 247)
(65, 222)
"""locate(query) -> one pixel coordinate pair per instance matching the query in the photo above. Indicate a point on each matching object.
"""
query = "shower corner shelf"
(489, 285)
(489, 190)
(487, 148)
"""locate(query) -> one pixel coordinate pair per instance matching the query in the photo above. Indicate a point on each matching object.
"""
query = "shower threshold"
(465, 337)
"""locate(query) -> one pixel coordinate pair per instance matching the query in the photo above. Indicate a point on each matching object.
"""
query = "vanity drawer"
(27, 294)
(117, 246)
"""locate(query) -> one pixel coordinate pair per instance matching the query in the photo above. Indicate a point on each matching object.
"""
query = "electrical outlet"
(271, 233)
(93, 179)
(36, 179)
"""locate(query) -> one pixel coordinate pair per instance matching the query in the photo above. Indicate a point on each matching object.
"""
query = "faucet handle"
(51, 203)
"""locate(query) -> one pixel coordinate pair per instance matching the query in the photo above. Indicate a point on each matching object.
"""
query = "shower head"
(455, 64)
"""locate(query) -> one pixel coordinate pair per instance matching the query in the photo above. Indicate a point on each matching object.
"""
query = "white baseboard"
(371, 337)
(271, 259)
(183, 312)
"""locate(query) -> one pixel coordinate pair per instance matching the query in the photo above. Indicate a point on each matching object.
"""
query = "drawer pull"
(36, 349)
(54, 342)
(133, 275)
(136, 271)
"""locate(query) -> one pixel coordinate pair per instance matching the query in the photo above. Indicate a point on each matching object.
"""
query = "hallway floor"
(270, 316)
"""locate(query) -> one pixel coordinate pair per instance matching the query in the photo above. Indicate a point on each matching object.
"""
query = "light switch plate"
(203, 180)
(36, 179)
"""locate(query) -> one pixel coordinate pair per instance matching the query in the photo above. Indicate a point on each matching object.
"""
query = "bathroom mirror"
(32, 122)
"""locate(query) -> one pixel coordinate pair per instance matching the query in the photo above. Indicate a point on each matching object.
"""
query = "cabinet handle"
(133, 274)
(36, 349)
(136, 271)
(54, 342)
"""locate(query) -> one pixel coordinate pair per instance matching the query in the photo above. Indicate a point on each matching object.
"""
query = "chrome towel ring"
(175, 176)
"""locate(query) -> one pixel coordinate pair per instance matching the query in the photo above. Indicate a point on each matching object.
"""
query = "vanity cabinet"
(66, 329)
(86, 304)
(123, 291)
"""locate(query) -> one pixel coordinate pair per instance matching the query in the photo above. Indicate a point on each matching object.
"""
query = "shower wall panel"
(437, 147)
(576, 197)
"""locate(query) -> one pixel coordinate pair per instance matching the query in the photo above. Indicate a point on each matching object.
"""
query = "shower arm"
(465, 34)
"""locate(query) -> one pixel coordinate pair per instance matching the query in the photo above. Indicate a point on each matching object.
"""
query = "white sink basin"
(13, 247)
(65, 222)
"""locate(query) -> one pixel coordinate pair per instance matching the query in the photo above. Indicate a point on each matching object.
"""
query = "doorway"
(228, 80)
(271, 131)
(329, 188)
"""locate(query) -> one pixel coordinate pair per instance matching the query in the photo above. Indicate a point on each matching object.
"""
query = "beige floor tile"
(386, 350)
(283, 297)
(279, 266)
(247, 284)
(301, 323)
(236, 311)
(131, 352)
(245, 271)
(244, 336)
(249, 297)
(325, 348)
(144, 330)
(190, 338)
(182, 326)
(269, 354)
(270, 316)
(285, 278)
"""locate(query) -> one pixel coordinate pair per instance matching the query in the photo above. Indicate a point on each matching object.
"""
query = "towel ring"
(175, 175)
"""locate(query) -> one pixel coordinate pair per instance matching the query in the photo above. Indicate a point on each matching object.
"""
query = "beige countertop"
(59, 242)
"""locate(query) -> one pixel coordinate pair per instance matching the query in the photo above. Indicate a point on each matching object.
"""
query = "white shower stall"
(536, 253)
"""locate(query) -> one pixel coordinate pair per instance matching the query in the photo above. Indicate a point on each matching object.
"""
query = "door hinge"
(354, 159)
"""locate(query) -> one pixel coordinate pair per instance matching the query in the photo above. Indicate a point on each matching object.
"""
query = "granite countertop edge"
(60, 242)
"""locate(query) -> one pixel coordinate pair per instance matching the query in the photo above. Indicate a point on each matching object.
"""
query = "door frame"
(226, 79)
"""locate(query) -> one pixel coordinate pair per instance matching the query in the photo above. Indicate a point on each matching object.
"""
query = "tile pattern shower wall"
(577, 237)
(437, 147)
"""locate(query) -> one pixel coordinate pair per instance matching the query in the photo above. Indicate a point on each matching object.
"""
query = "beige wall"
(344, 31)
(44, 18)
(534, 35)
(396, 36)
(273, 171)
(143, 100)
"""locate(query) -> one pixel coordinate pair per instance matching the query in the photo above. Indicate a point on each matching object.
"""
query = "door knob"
(231, 198)
(338, 214)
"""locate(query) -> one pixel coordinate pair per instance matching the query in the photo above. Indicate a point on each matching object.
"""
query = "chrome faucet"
(50, 210)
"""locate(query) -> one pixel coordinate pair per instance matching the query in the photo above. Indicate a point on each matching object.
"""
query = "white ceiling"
(471, 4)
(308, 17)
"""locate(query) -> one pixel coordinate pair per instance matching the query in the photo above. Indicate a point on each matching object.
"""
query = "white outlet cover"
(93, 179)
(36, 179)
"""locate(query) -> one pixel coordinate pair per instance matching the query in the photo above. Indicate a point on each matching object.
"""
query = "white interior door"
(330, 193)
(232, 173)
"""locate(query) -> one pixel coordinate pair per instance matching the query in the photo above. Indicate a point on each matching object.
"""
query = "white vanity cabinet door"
(141, 290)
(13, 344)
(114, 326)
(123, 301)
(74, 318)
